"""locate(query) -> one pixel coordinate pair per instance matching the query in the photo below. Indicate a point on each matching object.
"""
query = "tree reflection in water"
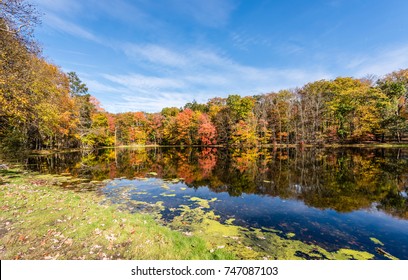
(343, 179)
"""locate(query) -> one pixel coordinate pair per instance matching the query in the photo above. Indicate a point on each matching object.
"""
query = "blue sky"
(143, 55)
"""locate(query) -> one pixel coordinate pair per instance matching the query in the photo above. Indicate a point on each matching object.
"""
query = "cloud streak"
(211, 13)
(382, 62)
(58, 24)
(155, 54)
(60, 6)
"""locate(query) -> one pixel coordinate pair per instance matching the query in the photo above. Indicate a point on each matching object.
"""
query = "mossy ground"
(40, 220)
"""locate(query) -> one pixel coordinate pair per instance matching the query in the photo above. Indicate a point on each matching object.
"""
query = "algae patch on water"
(254, 243)
(204, 203)
(347, 254)
(168, 194)
(376, 241)
(165, 186)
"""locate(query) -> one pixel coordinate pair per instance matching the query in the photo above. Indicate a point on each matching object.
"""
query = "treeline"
(42, 107)
(343, 110)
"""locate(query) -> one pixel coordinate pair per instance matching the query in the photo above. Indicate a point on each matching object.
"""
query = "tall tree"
(17, 49)
(79, 92)
(395, 86)
(76, 86)
(207, 132)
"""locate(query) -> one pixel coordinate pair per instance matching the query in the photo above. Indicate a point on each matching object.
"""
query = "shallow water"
(333, 198)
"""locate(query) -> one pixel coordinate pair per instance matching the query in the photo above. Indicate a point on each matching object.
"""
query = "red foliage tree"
(206, 131)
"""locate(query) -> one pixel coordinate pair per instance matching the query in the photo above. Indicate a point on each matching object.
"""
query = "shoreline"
(266, 146)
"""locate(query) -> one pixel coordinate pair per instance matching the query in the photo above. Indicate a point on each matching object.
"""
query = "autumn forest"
(41, 107)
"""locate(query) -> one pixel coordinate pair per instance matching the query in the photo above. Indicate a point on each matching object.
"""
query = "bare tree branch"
(18, 17)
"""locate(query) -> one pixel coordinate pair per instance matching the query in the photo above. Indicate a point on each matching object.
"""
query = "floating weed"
(165, 186)
(204, 203)
(201, 202)
(347, 254)
(159, 205)
(168, 194)
(376, 241)
(271, 230)
(141, 192)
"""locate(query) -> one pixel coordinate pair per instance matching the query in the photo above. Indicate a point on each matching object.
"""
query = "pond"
(330, 199)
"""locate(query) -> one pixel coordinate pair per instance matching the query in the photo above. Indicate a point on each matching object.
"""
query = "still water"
(333, 198)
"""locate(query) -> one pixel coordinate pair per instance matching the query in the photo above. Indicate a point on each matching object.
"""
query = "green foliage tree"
(395, 120)
(195, 106)
(76, 86)
(240, 107)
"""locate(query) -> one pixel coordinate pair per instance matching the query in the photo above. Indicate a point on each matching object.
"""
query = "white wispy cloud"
(381, 62)
(143, 82)
(133, 102)
(155, 54)
(97, 86)
(60, 6)
(58, 24)
(243, 40)
(129, 12)
(212, 13)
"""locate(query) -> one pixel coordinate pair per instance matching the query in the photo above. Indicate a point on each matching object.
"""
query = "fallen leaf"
(69, 241)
